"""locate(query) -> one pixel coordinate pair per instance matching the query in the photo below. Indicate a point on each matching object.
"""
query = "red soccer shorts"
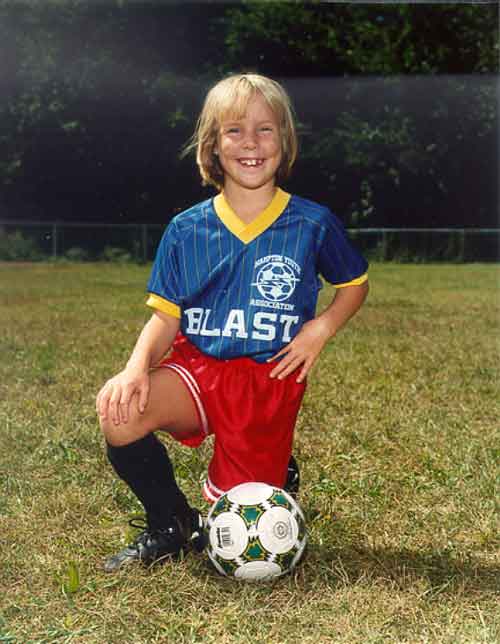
(251, 416)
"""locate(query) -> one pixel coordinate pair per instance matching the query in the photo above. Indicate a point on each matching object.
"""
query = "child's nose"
(250, 141)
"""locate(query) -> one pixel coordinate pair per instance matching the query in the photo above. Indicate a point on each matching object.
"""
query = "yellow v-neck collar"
(248, 232)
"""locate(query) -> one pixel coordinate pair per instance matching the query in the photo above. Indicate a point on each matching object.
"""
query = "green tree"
(425, 157)
(316, 38)
(98, 99)
(97, 94)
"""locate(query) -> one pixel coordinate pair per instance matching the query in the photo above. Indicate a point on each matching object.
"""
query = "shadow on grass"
(440, 571)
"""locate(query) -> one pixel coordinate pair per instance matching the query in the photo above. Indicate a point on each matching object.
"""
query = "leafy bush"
(77, 254)
(16, 247)
(114, 254)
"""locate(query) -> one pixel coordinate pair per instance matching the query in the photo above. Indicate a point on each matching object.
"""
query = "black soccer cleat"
(158, 544)
(292, 482)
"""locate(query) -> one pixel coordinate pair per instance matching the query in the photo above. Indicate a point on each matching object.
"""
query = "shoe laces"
(149, 534)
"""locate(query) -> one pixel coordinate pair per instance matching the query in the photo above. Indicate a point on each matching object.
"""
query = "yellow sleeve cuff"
(355, 282)
(157, 302)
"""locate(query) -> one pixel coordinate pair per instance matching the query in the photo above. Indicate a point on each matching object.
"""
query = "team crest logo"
(277, 277)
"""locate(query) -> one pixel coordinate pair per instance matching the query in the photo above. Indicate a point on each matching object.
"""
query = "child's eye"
(233, 130)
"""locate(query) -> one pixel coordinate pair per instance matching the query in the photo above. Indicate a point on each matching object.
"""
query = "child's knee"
(123, 433)
(109, 430)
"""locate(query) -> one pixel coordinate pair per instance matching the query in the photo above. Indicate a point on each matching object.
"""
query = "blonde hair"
(230, 98)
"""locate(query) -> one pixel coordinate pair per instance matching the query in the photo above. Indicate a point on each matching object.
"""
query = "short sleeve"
(164, 282)
(339, 262)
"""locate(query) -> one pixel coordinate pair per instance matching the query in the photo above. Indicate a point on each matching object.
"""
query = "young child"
(233, 290)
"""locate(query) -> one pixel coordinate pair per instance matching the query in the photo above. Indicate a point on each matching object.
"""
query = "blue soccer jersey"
(246, 289)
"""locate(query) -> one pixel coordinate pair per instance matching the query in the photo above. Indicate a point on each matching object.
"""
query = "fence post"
(461, 245)
(384, 245)
(144, 237)
(54, 241)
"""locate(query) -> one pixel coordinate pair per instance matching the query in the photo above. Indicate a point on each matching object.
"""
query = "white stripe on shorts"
(211, 491)
(194, 389)
(210, 495)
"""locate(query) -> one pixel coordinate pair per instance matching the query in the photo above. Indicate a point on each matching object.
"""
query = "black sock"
(146, 468)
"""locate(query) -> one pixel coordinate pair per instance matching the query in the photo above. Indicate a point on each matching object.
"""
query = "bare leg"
(170, 407)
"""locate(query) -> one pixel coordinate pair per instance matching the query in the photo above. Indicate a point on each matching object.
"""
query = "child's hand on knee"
(114, 399)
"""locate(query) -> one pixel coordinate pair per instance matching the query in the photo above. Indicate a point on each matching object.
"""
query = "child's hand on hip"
(302, 351)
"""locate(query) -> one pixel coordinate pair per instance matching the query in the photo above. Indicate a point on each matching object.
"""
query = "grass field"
(398, 442)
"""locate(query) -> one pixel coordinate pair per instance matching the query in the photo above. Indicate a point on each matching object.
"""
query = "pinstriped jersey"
(246, 289)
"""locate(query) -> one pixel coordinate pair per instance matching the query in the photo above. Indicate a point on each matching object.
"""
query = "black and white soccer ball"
(256, 532)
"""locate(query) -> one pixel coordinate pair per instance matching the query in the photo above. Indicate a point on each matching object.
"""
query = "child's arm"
(304, 349)
(154, 341)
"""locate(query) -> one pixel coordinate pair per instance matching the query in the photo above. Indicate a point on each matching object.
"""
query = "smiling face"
(249, 148)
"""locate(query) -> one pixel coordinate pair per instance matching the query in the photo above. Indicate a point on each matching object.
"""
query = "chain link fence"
(79, 241)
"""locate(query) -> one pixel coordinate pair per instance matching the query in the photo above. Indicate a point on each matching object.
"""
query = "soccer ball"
(256, 532)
